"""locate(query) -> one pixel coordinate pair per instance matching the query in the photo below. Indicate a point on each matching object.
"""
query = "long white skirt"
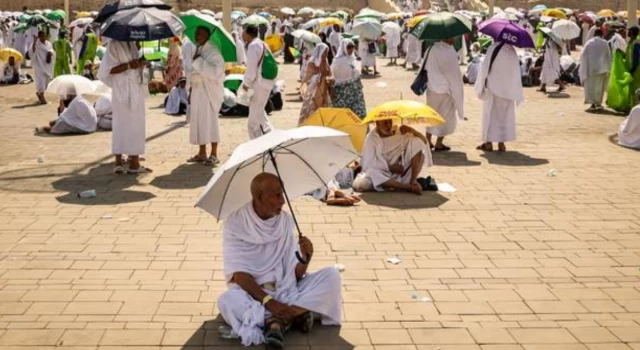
(204, 123)
(392, 51)
(498, 119)
(258, 122)
(42, 80)
(629, 132)
(446, 107)
(319, 292)
(129, 126)
(594, 88)
(368, 60)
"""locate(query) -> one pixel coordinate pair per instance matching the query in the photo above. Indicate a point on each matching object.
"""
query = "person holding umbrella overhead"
(206, 97)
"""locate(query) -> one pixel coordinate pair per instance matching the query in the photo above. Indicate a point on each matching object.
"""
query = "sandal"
(197, 159)
(485, 147)
(443, 148)
(274, 337)
(304, 322)
(119, 170)
(140, 170)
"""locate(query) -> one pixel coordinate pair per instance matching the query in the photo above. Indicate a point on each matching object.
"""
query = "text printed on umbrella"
(509, 37)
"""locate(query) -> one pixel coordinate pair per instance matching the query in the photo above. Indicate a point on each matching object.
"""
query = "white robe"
(81, 115)
(551, 66)
(629, 132)
(128, 96)
(207, 95)
(585, 33)
(617, 42)
(43, 71)
(368, 59)
(445, 89)
(258, 122)
(379, 152)
(595, 65)
(188, 50)
(20, 44)
(393, 41)
(501, 91)
(241, 54)
(77, 42)
(414, 49)
(266, 249)
(176, 97)
(474, 69)
(334, 40)
(104, 112)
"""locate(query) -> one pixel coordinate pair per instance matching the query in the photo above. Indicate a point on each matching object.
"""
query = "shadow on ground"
(513, 158)
(110, 189)
(207, 337)
(453, 159)
(185, 176)
(404, 200)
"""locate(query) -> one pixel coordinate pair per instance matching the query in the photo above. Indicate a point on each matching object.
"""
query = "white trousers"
(258, 122)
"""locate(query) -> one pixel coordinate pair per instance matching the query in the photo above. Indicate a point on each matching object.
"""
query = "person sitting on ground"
(334, 192)
(11, 73)
(104, 112)
(472, 71)
(177, 101)
(269, 287)
(629, 132)
(75, 116)
(392, 159)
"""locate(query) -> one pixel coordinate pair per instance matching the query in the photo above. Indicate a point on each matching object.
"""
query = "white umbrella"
(306, 36)
(307, 158)
(306, 11)
(100, 88)
(312, 23)
(288, 11)
(566, 29)
(551, 34)
(367, 30)
(81, 22)
(506, 15)
(208, 12)
(388, 27)
(68, 84)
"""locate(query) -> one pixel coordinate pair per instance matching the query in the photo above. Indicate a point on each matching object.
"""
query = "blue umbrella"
(142, 24)
(539, 7)
(266, 15)
(508, 32)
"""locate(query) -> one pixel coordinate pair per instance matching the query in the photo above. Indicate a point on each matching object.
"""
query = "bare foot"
(502, 147)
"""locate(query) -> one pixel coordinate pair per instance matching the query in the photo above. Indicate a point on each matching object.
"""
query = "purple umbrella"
(508, 32)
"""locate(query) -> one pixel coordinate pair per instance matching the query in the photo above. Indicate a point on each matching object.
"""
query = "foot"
(198, 158)
(487, 147)
(561, 89)
(502, 147)
(543, 90)
(119, 170)
(139, 170)
(415, 188)
(213, 160)
(441, 148)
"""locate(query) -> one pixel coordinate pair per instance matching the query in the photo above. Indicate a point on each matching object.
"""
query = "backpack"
(269, 65)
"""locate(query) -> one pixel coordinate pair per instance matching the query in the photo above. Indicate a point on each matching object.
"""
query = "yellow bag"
(274, 41)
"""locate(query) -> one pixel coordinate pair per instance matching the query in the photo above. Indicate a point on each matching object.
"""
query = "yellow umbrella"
(83, 14)
(234, 69)
(331, 21)
(607, 13)
(415, 20)
(342, 119)
(9, 52)
(555, 13)
(395, 15)
(407, 112)
(274, 41)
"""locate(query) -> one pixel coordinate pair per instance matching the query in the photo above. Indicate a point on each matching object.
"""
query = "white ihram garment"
(393, 41)
(80, 115)
(501, 91)
(629, 132)
(367, 59)
(176, 97)
(445, 90)
(104, 112)
(551, 66)
(207, 95)
(266, 249)
(128, 98)
(595, 65)
(43, 71)
(379, 152)
(414, 48)
(258, 122)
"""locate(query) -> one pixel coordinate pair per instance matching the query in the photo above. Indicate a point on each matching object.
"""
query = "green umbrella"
(56, 15)
(155, 54)
(20, 28)
(255, 20)
(37, 20)
(233, 81)
(219, 36)
(24, 18)
(439, 26)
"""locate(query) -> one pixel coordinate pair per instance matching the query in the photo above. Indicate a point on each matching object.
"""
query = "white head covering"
(318, 51)
(342, 51)
(343, 67)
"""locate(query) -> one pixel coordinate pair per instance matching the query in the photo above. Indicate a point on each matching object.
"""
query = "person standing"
(595, 65)
(206, 97)
(254, 78)
(368, 51)
(121, 70)
(334, 39)
(499, 85)
(348, 85)
(445, 90)
(551, 67)
(174, 71)
(63, 50)
(393, 41)
(315, 84)
(42, 59)
(88, 50)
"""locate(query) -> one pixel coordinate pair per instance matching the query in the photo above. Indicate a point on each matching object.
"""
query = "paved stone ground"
(514, 259)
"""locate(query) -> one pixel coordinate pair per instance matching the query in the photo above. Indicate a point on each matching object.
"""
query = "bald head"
(267, 195)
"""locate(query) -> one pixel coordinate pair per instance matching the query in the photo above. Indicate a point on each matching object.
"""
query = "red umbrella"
(421, 12)
(588, 18)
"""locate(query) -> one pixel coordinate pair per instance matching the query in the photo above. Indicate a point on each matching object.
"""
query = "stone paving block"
(30, 337)
(132, 337)
(491, 336)
(542, 336)
(81, 337)
(441, 336)
(593, 335)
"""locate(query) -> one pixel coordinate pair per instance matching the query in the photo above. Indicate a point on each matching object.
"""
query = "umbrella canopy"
(255, 20)
(110, 9)
(307, 158)
(312, 23)
(552, 35)
(388, 27)
(588, 17)
(68, 84)
(415, 20)
(81, 22)
(394, 15)
(566, 29)
(306, 11)
(367, 30)
(330, 22)
(555, 13)
(208, 12)
(439, 26)
(342, 14)
(306, 36)
(20, 28)
(539, 7)
(155, 54)
(8, 52)
(507, 16)
(341, 119)
(266, 15)
(56, 15)
(288, 11)
(142, 24)
(38, 20)
(219, 36)
(615, 24)
(567, 11)
(100, 88)
(421, 13)
(407, 112)
(508, 32)
(233, 81)
(83, 14)
(607, 13)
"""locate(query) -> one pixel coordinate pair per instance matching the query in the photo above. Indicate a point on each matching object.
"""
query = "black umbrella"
(110, 9)
(142, 24)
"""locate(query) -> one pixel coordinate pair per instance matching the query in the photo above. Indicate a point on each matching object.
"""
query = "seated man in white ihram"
(269, 288)
(76, 116)
(392, 159)
(629, 132)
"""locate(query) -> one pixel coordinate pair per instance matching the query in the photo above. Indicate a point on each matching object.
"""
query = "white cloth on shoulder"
(445, 76)
(379, 152)
(80, 114)
(266, 249)
(43, 71)
(104, 112)
(207, 95)
(551, 67)
(629, 132)
(176, 97)
(343, 67)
